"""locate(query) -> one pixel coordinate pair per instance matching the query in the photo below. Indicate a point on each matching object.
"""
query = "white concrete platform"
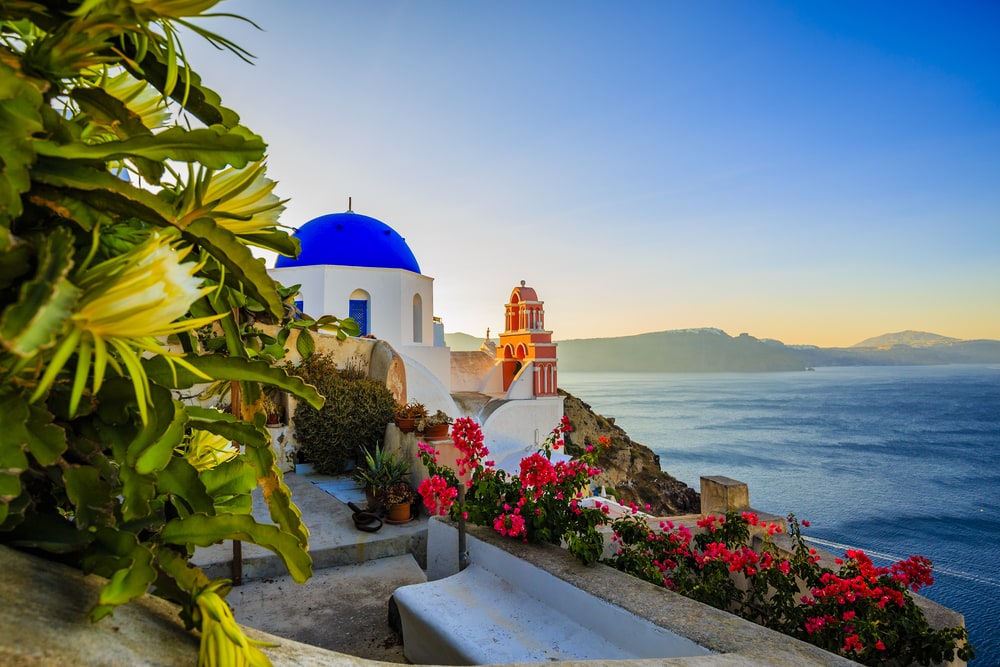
(502, 609)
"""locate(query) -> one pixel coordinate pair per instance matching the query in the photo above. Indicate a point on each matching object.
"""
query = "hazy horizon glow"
(818, 173)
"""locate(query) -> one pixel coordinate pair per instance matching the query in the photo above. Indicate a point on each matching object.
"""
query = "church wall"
(523, 385)
(516, 428)
(424, 385)
(311, 292)
(469, 370)
(410, 284)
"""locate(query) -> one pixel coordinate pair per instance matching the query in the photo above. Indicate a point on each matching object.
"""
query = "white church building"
(352, 264)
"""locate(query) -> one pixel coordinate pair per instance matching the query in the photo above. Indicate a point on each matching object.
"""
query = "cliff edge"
(631, 471)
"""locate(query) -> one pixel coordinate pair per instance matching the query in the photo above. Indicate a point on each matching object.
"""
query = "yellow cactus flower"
(223, 642)
(207, 450)
(240, 200)
(127, 302)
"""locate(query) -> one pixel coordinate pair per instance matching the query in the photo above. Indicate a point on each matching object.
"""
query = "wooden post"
(236, 567)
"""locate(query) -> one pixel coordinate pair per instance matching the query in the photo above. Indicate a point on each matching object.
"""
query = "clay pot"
(399, 513)
(437, 431)
(406, 424)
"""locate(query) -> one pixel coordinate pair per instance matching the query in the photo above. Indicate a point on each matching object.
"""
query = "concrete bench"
(502, 609)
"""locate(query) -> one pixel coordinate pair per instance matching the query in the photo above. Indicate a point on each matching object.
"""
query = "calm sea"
(896, 461)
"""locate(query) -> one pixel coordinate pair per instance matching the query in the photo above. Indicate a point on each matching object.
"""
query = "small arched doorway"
(359, 309)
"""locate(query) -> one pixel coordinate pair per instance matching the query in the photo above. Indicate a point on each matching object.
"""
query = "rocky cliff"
(631, 470)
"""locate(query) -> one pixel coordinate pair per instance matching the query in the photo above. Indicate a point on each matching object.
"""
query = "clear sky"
(816, 172)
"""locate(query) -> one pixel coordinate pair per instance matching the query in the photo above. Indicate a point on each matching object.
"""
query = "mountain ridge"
(710, 349)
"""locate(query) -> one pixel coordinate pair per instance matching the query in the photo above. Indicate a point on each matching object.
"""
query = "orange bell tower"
(525, 341)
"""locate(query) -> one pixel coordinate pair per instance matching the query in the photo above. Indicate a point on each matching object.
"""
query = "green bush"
(353, 418)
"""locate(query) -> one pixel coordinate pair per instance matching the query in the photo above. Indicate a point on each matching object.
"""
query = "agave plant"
(129, 200)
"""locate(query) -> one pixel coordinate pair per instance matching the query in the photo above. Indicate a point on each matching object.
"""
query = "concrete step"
(344, 609)
(333, 538)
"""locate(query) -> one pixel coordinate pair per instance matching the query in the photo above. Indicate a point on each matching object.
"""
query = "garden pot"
(436, 431)
(399, 513)
(406, 424)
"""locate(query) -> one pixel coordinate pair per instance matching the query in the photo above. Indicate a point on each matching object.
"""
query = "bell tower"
(525, 343)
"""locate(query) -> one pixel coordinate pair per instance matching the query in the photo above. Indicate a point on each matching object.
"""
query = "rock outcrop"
(631, 471)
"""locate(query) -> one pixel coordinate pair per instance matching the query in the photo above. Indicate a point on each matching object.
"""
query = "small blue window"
(358, 311)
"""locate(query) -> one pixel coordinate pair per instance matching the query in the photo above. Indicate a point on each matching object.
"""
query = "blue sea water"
(896, 460)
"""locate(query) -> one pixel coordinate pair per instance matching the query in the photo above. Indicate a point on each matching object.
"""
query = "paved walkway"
(344, 607)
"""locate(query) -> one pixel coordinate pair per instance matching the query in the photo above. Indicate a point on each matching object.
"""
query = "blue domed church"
(354, 265)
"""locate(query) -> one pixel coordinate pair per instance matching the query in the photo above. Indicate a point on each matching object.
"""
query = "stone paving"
(344, 606)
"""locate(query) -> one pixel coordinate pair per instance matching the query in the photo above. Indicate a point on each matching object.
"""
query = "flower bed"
(857, 610)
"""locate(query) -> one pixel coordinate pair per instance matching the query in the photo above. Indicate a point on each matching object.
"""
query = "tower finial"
(522, 283)
(349, 204)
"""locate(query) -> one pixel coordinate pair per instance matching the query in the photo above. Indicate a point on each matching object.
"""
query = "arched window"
(359, 310)
(418, 319)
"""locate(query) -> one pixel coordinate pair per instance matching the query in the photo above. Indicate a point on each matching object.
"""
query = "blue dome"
(350, 239)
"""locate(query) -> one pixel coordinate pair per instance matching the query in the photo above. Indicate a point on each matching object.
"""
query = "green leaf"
(90, 494)
(283, 511)
(99, 193)
(15, 259)
(304, 344)
(27, 426)
(45, 302)
(137, 493)
(240, 263)
(46, 441)
(20, 120)
(231, 478)
(151, 448)
(113, 113)
(215, 147)
(48, 533)
(226, 425)
(229, 368)
(181, 480)
(10, 490)
(133, 578)
(278, 241)
(203, 530)
(203, 102)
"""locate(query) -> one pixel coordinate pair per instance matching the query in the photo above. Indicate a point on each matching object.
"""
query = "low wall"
(733, 639)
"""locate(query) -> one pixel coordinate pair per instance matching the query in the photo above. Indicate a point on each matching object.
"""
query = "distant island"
(713, 350)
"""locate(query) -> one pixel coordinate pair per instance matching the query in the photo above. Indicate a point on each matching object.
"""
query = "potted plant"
(398, 500)
(435, 425)
(379, 470)
(407, 416)
(273, 405)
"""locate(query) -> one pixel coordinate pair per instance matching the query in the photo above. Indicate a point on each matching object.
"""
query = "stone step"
(333, 538)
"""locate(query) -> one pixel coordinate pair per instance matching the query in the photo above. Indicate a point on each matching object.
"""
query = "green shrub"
(353, 418)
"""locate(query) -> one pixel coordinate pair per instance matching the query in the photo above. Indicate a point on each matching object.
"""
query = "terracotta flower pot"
(406, 424)
(399, 513)
(437, 431)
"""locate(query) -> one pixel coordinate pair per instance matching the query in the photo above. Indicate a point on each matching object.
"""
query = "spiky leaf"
(215, 147)
(44, 302)
(203, 530)
(20, 100)
(230, 368)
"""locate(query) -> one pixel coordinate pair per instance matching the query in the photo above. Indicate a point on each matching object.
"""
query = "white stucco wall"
(523, 385)
(423, 385)
(514, 429)
(326, 290)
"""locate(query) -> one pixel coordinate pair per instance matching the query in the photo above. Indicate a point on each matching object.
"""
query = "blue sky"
(815, 172)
